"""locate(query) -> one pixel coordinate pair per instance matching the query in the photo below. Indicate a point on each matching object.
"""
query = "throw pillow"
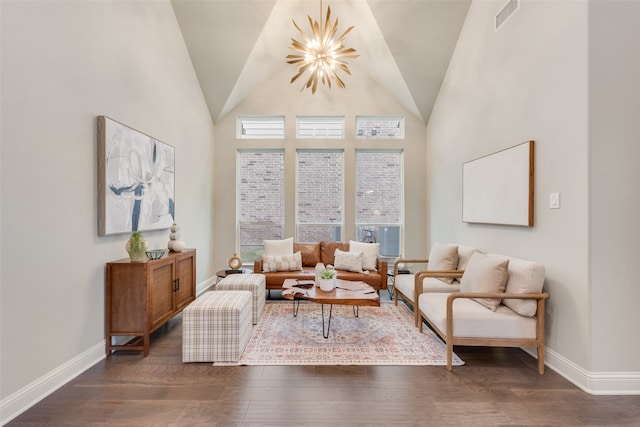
(524, 277)
(291, 262)
(485, 273)
(443, 257)
(370, 251)
(278, 247)
(349, 261)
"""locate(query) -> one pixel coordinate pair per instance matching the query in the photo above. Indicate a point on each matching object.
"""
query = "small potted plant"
(327, 280)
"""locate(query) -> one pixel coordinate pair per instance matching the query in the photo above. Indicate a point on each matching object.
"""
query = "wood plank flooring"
(495, 387)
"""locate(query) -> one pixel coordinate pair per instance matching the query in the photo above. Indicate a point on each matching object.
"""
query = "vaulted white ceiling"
(404, 45)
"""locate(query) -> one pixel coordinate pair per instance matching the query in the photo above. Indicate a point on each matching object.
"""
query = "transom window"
(325, 127)
(260, 127)
(379, 127)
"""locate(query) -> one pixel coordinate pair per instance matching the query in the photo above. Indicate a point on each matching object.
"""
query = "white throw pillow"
(370, 251)
(443, 257)
(278, 247)
(291, 262)
(485, 273)
(349, 261)
(524, 277)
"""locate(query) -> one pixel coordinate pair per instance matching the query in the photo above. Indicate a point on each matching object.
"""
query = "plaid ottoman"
(216, 327)
(256, 283)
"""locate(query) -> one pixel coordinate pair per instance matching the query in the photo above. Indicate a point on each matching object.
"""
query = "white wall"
(63, 64)
(531, 80)
(360, 97)
(614, 109)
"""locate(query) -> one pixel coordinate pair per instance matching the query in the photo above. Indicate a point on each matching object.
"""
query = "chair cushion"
(486, 273)
(443, 257)
(472, 320)
(349, 261)
(370, 251)
(282, 262)
(278, 247)
(310, 253)
(524, 277)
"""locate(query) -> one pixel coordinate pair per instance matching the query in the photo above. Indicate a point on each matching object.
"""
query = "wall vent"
(506, 12)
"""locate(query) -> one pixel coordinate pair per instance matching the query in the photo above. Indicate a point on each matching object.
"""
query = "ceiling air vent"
(506, 12)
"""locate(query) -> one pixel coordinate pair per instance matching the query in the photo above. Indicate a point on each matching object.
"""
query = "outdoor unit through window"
(379, 127)
(260, 127)
(260, 196)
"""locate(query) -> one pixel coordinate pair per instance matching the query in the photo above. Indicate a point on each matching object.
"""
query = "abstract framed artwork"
(136, 180)
(498, 188)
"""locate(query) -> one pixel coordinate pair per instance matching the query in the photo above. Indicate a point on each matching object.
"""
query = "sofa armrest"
(382, 268)
(257, 266)
(407, 261)
(421, 275)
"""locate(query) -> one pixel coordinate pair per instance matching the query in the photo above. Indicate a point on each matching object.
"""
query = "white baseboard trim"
(25, 398)
(596, 383)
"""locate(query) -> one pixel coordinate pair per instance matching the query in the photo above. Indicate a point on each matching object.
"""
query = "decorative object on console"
(136, 180)
(234, 262)
(136, 247)
(175, 245)
(156, 253)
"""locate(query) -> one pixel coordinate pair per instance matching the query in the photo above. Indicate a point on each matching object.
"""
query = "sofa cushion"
(472, 320)
(443, 257)
(278, 247)
(370, 251)
(310, 253)
(349, 261)
(405, 283)
(485, 273)
(282, 262)
(524, 277)
(328, 250)
(464, 255)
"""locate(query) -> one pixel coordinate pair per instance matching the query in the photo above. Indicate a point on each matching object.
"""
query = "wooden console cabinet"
(142, 296)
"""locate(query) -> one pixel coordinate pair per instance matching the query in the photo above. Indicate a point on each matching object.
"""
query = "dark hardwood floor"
(495, 387)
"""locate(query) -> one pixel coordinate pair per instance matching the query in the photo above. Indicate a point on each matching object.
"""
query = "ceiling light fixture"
(320, 54)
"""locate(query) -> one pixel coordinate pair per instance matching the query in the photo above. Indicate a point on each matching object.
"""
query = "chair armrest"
(257, 266)
(406, 261)
(382, 268)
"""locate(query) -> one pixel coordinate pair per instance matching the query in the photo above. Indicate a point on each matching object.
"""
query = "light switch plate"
(554, 200)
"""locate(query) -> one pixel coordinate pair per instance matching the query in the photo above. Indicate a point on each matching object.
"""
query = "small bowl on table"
(156, 253)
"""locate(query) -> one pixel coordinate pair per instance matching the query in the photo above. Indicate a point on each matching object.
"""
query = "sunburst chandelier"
(321, 54)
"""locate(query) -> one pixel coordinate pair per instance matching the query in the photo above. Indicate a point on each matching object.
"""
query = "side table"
(224, 273)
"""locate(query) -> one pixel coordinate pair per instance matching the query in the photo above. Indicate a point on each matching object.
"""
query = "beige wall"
(534, 79)
(63, 64)
(614, 109)
(277, 96)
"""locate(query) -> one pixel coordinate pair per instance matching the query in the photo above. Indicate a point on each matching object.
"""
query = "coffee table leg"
(356, 310)
(325, 333)
(295, 306)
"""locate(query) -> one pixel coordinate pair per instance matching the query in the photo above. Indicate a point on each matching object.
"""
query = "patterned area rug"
(382, 335)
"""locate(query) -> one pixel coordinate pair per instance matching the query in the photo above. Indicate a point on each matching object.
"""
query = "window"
(379, 127)
(319, 195)
(260, 127)
(325, 127)
(379, 199)
(260, 189)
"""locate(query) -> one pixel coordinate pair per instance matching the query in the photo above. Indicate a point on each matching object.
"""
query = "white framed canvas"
(136, 180)
(498, 188)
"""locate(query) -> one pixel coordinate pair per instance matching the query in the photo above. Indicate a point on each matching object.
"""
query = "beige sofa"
(493, 300)
(323, 252)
